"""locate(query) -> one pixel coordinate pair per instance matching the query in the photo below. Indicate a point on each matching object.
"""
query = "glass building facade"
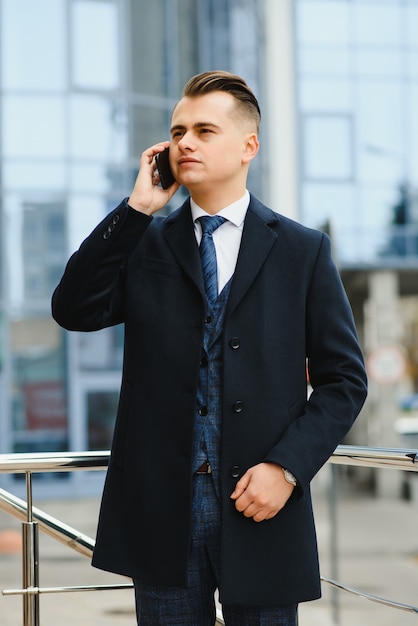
(85, 87)
(357, 93)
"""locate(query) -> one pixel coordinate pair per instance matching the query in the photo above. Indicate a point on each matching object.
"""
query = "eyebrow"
(196, 126)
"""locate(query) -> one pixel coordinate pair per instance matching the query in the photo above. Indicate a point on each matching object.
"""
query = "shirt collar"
(234, 212)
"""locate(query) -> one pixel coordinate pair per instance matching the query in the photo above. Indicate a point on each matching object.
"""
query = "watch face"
(289, 477)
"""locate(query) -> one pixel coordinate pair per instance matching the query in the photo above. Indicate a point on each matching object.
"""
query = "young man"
(215, 441)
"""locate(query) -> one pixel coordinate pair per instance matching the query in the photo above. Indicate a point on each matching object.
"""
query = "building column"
(386, 364)
(279, 116)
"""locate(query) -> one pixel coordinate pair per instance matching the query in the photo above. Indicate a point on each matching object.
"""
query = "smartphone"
(163, 166)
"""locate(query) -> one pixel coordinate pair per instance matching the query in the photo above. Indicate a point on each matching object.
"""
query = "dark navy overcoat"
(287, 307)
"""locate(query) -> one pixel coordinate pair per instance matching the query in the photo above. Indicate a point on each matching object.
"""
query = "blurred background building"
(87, 85)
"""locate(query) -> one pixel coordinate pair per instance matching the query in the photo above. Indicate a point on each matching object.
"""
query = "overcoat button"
(238, 406)
(116, 218)
(106, 234)
(234, 343)
(235, 471)
(203, 411)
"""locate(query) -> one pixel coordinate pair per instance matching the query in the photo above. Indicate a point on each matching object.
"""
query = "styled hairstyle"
(219, 80)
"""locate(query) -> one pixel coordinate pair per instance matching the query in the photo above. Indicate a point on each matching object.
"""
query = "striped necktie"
(208, 254)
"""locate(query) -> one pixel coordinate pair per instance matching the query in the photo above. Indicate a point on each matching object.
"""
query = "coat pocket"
(159, 266)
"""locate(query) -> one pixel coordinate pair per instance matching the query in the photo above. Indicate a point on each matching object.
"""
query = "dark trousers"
(195, 605)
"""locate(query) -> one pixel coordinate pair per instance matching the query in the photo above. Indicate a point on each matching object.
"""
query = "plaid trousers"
(195, 605)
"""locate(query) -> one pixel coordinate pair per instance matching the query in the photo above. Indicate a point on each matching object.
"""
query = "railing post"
(30, 562)
(333, 491)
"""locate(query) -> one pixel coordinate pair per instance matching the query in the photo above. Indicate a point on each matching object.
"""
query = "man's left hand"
(262, 492)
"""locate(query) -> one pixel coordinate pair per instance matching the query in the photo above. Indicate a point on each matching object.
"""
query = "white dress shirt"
(227, 238)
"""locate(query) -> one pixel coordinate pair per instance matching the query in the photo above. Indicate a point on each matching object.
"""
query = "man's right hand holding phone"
(148, 196)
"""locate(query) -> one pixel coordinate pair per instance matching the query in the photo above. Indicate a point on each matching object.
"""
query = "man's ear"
(250, 148)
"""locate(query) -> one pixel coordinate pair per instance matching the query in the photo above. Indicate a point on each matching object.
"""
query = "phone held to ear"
(163, 166)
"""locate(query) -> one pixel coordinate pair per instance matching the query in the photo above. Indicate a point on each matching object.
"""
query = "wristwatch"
(289, 477)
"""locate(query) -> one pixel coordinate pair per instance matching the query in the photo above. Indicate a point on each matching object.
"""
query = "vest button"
(208, 319)
(203, 411)
(203, 360)
(235, 471)
(234, 343)
(238, 406)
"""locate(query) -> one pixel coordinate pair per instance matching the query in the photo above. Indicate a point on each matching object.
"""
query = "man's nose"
(186, 142)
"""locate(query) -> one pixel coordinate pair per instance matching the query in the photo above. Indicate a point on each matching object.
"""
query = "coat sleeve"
(90, 294)
(336, 371)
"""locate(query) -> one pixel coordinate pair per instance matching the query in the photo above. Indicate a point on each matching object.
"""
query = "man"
(215, 441)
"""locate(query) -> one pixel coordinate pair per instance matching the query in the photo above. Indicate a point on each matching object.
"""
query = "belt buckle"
(205, 468)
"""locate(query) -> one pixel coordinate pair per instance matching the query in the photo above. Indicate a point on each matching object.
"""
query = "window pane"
(331, 60)
(148, 38)
(378, 63)
(95, 60)
(37, 251)
(39, 405)
(149, 125)
(21, 174)
(323, 22)
(377, 24)
(101, 350)
(32, 39)
(33, 126)
(327, 147)
(325, 95)
(98, 129)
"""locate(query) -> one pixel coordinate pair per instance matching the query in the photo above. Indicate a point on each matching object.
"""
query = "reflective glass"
(412, 63)
(320, 21)
(380, 116)
(148, 126)
(331, 60)
(36, 249)
(31, 174)
(33, 44)
(38, 395)
(95, 60)
(412, 156)
(377, 23)
(101, 350)
(84, 213)
(98, 128)
(375, 63)
(148, 38)
(327, 147)
(324, 202)
(33, 126)
(411, 23)
(325, 95)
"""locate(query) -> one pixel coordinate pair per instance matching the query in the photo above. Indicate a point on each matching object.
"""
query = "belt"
(205, 468)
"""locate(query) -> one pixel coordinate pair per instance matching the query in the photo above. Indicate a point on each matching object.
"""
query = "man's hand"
(147, 196)
(262, 492)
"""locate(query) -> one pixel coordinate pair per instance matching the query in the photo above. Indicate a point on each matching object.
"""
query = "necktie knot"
(208, 254)
(210, 223)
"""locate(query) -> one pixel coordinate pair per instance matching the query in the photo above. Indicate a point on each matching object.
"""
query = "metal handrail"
(394, 458)
(364, 456)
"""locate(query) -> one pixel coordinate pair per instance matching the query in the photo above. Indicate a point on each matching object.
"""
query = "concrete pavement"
(378, 553)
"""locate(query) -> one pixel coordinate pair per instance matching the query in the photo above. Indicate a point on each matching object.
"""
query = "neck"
(214, 200)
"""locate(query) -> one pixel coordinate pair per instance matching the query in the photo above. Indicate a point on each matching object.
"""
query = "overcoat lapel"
(257, 241)
(182, 241)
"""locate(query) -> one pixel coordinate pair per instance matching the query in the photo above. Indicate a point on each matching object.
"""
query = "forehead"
(215, 107)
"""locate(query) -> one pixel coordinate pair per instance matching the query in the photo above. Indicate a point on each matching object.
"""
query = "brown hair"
(219, 80)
